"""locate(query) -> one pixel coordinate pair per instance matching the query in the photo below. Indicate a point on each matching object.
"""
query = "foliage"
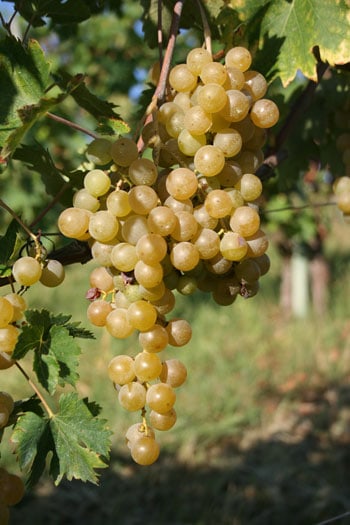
(78, 59)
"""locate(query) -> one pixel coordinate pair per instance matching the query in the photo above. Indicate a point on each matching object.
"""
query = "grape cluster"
(188, 219)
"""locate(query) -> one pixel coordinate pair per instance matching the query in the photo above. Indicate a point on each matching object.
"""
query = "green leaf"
(24, 77)
(8, 242)
(82, 441)
(67, 12)
(302, 25)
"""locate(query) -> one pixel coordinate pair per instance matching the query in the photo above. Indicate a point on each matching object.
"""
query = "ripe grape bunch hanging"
(186, 220)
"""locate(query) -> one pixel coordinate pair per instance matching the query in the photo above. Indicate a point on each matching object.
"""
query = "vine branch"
(36, 390)
(71, 124)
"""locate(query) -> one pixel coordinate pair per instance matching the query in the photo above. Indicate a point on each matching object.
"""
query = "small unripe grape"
(97, 182)
(124, 151)
(132, 396)
(99, 151)
(121, 369)
(27, 271)
(6, 312)
(145, 451)
(163, 421)
(264, 113)
(238, 57)
(160, 397)
(53, 274)
(181, 78)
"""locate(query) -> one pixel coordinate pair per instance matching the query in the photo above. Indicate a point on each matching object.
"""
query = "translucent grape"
(83, 199)
(141, 315)
(74, 222)
(145, 451)
(218, 204)
(143, 171)
(163, 421)
(182, 79)
(182, 183)
(173, 372)
(184, 256)
(97, 182)
(142, 199)
(212, 98)
(179, 332)
(209, 160)
(19, 305)
(132, 396)
(26, 270)
(121, 369)
(189, 143)
(151, 248)
(124, 151)
(213, 72)
(197, 58)
(118, 203)
(186, 226)
(238, 57)
(197, 121)
(98, 311)
(233, 246)
(117, 324)
(264, 113)
(147, 366)
(155, 339)
(101, 278)
(245, 221)
(236, 106)
(229, 141)
(134, 227)
(99, 151)
(6, 312)
(161, 220)
(103, 226)
(148, 275)
(250, 187)
(255, 84)
(160, 397)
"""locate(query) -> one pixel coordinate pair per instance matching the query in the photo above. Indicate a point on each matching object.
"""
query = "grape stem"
(51, 204)
(21, 223)
(303, 207)
(71, 124)
(206, 28)
(36, 390)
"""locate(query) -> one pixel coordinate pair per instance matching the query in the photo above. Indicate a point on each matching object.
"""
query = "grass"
(263, 420)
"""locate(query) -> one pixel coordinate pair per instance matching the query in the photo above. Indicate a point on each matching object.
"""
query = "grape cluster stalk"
(179, 216)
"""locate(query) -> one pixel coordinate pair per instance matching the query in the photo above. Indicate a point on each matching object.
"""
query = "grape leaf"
(8, 242)
(303, 25)
(60, 11)
(74, 441)
(24, 76)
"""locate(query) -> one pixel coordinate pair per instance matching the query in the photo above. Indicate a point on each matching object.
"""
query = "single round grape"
(181, 183)
(74, 222)
(179, 332)
(137, 431)
(209, 160)
(218, 123)
(250, 187)
(117, 324)
(218, 265)
(19, 305)
(5, 360)
(160, 397)
(103, 226)
(124, 151)
(142, 199)
(101, 278)
(218, 204)
(173, 372)
(177, 205)
(245, 128)
(182, 79)
(163, 421)
(166, 110)
(236, 106)
(186, 226)
(143, 171)
(197, 58)
(11, 488)
(142, 315)
(152, 294)
(245, 221)
(247, 271)
(121, 369)
(166, 303)
(255, 84)
(148, 275)
(233, 246)
(182, 100)
(101, 252)
(151, 248)
(203, 218)
(83, 199)
(52, 274)
(26, 271)
(155, 339)
(341, 185)
(99, 151)
(184, 256)
(145, 451)
(124, 257)
(132, 293)
(97, 182)
(197, 121)
(264, 113)
(134, 227)
(230, 174)
(118, 203)
(213, 72)
(249, 161)
(175, 124)
(238, 57)
(6, 312)
(264, 263)
(257, 244)
(343, 202)
(207, 242)
(212, 98)
(147, 366)
(132, 396)
(229, 141)
(98, 311)
(234, 79)
(189, 144)
(161, 220)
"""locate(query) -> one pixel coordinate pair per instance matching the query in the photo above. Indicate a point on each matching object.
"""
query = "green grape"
(102, 279)
(141, 315)
(124, 151)
(142, 199)
(52, 274)
(124, 257)
(264, 113)
(197, 58)
(184, 256)
(236, 107)
(103, 226)
(147, 366)
(250, 187)
(151, 248)
(238, 57)
(207, 242)
(161, 220)
(121, 369)
(182, 79)
(117, 324)
(213, 72)
(190, 143)
(229, 141)
(99, 151)
(186, 226)
(145, 451)
(163, 421)
(160, 397)
(181, 183)
(83, 199)
(26, 270)
(6, 312)
(148, 275)
(132, 396)
(97, 182)
(74, 222)
(212, 98)
(118, 203)
(255, 84)
(197, 121)
(143, 171)
(173, 372)
(218, 204)
(98, 311)
(179, 332)
(233, 246)
(209, 160)
(155, 339)
(134, 227)
(245, 221)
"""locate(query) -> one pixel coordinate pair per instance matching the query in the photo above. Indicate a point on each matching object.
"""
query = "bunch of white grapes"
(188, 219)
